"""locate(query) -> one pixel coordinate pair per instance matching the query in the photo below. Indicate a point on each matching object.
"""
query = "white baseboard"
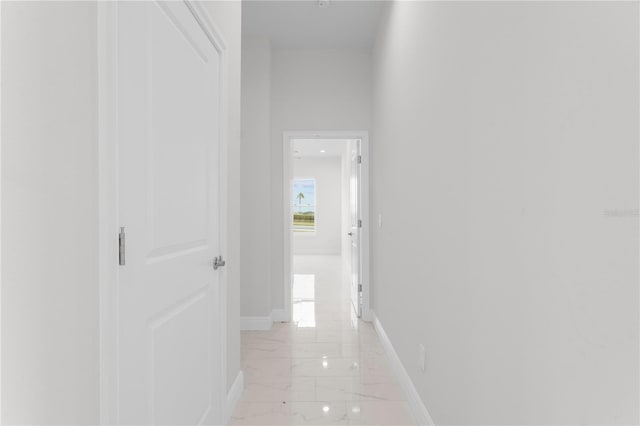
(234, 395)
(417, 406)
(262, 323)
(278, 315)
(256, 323)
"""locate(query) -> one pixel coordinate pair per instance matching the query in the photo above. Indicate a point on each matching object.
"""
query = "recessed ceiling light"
(323, 151)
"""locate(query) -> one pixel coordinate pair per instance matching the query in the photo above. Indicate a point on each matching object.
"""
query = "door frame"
(107, 151)
(287, 267)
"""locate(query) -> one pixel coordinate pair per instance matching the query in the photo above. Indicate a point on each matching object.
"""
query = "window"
(304, 205)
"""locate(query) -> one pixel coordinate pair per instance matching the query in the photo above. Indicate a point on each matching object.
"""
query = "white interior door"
(168, 111)
(354, 233)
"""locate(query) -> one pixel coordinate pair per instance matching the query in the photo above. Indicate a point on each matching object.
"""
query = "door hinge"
(359, 159)
(360, 288)
(359, 223)
(121, 245)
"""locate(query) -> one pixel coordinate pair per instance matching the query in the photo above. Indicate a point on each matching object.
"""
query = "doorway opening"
(326, 232)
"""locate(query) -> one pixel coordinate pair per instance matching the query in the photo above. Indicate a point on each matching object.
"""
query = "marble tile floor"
(326, 367)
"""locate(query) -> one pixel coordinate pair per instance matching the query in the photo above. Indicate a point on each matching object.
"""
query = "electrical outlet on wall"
(422, 354)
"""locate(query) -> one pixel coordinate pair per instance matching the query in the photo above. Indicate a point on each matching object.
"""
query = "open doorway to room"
(326, 227)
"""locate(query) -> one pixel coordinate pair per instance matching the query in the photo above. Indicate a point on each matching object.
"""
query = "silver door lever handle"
(218, 262)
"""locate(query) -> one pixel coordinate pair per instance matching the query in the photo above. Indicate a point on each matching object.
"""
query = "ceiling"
(304, 24)
(303, 148)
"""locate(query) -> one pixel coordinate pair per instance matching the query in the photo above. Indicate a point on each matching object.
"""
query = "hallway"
(325, 367)
(183, 182)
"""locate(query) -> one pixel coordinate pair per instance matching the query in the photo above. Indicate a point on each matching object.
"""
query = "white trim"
(365, 212)
(0, 220)
(287, 253)
(263, 323)
(278, 315)
(365, 205)
(233, 396)
(418, 408)
(108, 203)
(256, 323)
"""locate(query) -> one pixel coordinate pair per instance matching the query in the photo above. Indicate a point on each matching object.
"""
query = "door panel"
(180, 109)
(354, 206)
(169, 335)
(173, 353)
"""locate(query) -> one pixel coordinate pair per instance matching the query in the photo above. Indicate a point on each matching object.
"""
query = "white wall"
(49, 213)
(312, 89)
(509, 130)
(255, 291)
(327, 240)
(227, 15)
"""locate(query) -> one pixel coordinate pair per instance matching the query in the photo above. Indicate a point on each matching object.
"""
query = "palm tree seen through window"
(304, 205)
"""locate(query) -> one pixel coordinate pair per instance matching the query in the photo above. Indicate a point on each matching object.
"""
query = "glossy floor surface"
(325, 367)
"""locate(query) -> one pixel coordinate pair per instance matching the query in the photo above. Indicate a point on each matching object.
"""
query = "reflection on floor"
(325, 367)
